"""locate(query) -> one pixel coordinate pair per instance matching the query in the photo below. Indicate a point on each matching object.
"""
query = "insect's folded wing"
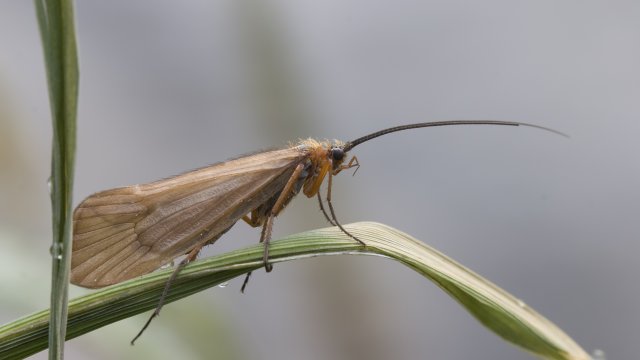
(123, 233)
(127, 232)
(104, 235)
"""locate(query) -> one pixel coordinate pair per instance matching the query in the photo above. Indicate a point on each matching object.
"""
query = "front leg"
(352, 163)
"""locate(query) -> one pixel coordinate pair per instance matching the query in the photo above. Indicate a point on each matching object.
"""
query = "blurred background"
(170, 86)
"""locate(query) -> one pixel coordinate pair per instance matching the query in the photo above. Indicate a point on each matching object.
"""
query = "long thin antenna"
(351, 144)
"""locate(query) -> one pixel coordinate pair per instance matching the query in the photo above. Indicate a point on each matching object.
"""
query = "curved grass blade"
(502, 313)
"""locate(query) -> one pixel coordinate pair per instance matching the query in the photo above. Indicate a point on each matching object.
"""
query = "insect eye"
(337, 154)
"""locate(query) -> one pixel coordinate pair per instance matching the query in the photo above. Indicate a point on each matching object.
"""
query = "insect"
(127, 232)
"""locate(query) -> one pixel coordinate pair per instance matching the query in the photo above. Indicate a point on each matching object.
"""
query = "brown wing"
(122, 233)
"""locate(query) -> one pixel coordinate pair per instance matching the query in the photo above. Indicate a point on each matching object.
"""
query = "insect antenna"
(351, 144)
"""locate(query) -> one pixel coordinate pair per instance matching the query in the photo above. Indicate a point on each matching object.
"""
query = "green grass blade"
(56, 22)
(496, 309)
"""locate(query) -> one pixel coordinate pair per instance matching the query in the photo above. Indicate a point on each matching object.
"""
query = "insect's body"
(123, 233)
(127, 232)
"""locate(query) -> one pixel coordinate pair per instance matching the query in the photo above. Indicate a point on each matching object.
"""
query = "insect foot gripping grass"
(123, 233)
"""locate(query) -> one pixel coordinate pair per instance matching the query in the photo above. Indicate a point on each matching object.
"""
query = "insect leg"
(190, 257)
(286, 193)
(312, 188)
(280, 203)
(245, 282)
(352, 163)
(246, 278)
(323, 210)
(333, 214)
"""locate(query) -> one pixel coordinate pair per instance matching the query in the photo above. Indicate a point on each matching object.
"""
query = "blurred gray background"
(169, 86)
